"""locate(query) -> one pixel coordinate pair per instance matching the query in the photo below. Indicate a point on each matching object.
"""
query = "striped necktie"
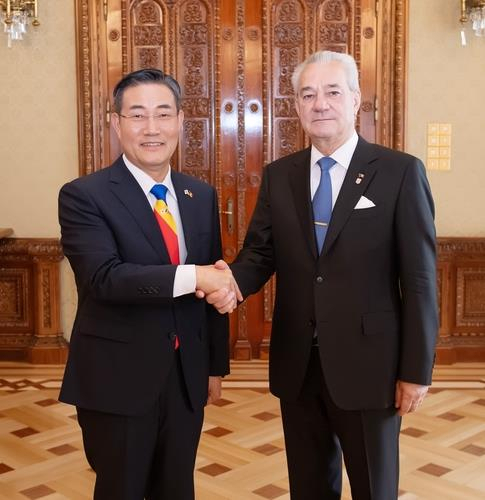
(166, 222)
(322, 201)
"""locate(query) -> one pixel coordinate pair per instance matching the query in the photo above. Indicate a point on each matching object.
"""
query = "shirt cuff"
(184, 281)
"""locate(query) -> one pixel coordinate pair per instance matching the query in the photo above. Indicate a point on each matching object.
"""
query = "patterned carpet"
(241, 455)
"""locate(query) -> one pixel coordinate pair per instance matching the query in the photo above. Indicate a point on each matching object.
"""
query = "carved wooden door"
(234, 60)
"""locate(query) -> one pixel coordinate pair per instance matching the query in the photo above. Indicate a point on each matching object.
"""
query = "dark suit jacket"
(371, 295)
(121, 347)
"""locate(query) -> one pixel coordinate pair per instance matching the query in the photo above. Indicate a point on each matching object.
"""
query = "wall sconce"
(15, 15)
(474, 11)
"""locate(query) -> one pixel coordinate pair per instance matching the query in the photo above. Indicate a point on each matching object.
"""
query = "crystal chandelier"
(15, 15)
(474, 11)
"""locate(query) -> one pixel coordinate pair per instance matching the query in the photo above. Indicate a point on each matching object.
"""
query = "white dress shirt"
(185, 279)
(343, 156)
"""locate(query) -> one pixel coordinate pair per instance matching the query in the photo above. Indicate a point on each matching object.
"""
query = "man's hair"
(326, 56)
(143, 76)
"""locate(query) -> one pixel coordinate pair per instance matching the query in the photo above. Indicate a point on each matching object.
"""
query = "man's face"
(326, 106)
(148, 126)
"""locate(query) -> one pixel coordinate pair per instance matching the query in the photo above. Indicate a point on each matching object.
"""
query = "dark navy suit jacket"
(370, 295)
(122, 343)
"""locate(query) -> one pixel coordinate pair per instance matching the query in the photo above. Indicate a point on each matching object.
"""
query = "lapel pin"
(187, 192)
(359, 178)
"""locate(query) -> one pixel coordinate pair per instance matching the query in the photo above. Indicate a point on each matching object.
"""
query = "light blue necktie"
(322, 201)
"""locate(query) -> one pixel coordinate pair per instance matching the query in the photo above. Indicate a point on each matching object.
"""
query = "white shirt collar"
(145, 181)
(342, 155)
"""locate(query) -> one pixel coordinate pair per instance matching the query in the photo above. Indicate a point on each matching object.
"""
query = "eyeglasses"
(140, 118)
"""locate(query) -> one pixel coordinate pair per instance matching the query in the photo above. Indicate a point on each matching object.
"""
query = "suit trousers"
(317, 432)
(151, 456)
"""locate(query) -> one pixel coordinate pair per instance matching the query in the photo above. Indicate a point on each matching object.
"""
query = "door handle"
(230, 215)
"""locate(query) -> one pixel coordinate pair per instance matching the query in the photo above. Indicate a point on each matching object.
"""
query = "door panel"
(234, 60)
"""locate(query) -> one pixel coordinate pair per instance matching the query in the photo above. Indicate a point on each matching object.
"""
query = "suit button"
(319, 279)
(311, 323)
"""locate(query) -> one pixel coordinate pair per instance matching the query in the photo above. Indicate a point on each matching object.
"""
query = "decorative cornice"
(462, 340)
(35, 247)
(450, 246)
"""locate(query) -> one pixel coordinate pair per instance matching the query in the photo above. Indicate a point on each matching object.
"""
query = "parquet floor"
(241, 455)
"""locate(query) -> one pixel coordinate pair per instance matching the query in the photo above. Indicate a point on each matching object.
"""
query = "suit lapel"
(187, 209)
(125, 187)
(361, 170)
(299, 178)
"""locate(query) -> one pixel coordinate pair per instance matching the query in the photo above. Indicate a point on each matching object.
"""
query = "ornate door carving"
(234, 60)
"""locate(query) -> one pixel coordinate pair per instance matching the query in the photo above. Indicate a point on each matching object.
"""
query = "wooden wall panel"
(146, 35)
(30, 301)
(194, 28)
(461, 294)
(15, 299)
(286, 46)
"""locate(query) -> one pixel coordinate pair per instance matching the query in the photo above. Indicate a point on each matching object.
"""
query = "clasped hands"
(217, 285)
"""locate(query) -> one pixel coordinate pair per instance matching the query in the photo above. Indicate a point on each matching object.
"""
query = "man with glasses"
(146, 355)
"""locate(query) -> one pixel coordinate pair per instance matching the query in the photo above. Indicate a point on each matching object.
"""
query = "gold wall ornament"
(15, 15)
(473, 11)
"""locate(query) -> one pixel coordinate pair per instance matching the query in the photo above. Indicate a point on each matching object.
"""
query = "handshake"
(217, 285)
